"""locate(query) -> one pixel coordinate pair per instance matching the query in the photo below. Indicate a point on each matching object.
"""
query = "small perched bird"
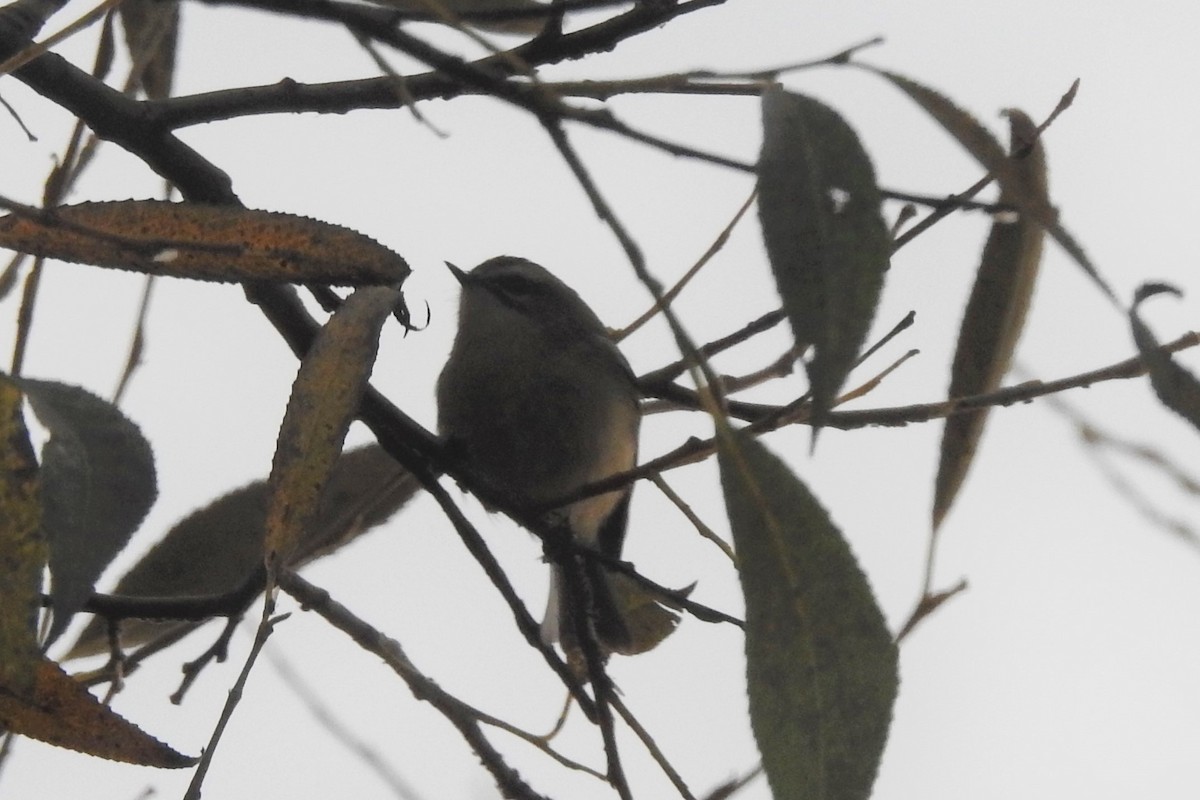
(537, 401)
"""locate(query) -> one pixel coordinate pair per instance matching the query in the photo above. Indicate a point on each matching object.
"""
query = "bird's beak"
(459, 275)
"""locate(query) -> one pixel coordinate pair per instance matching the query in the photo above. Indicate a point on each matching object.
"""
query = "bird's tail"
(626, 618)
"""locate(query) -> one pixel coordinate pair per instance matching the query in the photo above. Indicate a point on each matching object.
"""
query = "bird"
(536, 400)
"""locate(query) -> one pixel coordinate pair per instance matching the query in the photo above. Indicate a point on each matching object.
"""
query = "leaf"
(21, 543)
(980, 143)
(995, 314)
(821, 665)
(215, 549)
(824, 231)
(324, 401)
(98, 482)
(1175, 386)
(206, 242)
(61, 712)
(151, 33)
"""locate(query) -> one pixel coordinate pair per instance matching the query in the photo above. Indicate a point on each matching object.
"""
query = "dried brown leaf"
(323, 402)
(22, 544)
(58, 710)
(205, 242)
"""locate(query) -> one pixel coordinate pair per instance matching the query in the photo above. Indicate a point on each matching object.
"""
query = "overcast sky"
(1068, 669)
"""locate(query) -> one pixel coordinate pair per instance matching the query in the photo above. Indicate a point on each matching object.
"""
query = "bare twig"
(459, 714)
(692, 517)
(218, 651)
(673, 370)
(954, 202)
(342, 734)
(871, 383)
(765, 418)
(137, 344)
(929, 603)
(265, 627)
(25, 315)
(674, 291)
(36, 49)
(652, 747)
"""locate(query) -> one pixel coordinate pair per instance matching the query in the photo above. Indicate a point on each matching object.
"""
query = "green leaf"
(1175, 386)
(98, 482)
(980, 143)
(821, 664)
(824, 231)
(23, 547)
(995, 314)
(214, 550)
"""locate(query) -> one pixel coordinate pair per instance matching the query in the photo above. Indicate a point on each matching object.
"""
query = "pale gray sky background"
(1069, 667)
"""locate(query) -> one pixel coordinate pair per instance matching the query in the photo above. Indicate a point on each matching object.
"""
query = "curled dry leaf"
(205, 242)
(995, 314)
(1177, 388)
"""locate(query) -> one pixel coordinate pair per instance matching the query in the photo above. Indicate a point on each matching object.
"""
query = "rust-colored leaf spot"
(205, 242)
(61, 712)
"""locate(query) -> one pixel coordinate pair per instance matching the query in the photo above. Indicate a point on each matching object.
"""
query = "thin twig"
(871, 383)
(735, 785)
(765, 418)
(954, 202)
(692, 517)
(401, 83)
(25, 315)
(265, 627)
(459, 714)
(38, 48)
(673, 292)
(634, 254)
(342, 734)
(751, 329)
(929, 603)
(652, 747)
(137, 344)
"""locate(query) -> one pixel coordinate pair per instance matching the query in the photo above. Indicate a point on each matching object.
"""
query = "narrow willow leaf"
(821, 664)
(22, 546)
(61, 712)
(1175, 386)
(324, 400)
(824, 231)
(995, 314)
(980, 143)
(216, 549)
(98, 483)
(151, 33)
(206, 242)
